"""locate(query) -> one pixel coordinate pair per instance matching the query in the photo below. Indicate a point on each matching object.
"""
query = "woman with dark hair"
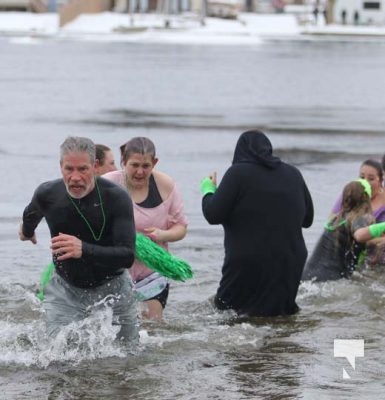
(263, 204)
(341, 248)
(105, 161)
(371, 170)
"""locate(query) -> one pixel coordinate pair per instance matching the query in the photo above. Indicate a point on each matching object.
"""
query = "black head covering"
(255, 147)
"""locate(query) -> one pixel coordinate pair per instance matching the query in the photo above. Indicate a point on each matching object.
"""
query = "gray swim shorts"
(65, 303)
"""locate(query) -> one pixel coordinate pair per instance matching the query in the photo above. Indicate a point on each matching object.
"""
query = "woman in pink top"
(158, 213)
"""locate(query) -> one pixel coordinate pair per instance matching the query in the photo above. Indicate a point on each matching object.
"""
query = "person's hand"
(209, 184)
(23, 238)
(66, 246)
(155, 234)
(213, 177)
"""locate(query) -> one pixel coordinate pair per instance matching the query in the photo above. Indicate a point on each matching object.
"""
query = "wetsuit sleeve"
(121, 252)
(217, 206)
(32, 214)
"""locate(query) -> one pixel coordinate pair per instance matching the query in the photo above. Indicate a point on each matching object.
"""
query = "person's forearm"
(109, 256)
(362, 235)
(31, 219)
(369, 232)
(175, 233)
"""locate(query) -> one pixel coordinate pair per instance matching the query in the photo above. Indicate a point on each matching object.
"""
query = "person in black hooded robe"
(263, 204)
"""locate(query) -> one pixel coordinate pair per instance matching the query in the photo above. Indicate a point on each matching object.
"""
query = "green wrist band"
(208, 186)
(376, 230)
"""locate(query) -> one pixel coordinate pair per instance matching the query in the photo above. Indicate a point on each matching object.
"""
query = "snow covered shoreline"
(248, 28)
(146, 25)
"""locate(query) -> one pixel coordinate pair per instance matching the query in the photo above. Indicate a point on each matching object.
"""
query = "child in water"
(341, 248)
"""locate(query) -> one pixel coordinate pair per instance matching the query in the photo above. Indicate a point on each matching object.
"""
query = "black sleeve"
(309, 215)
(216, 207)
(32, 214)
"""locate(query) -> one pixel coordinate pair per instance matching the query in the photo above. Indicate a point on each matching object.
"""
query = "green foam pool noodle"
(148, 252)
(160, 260)
(45, 277)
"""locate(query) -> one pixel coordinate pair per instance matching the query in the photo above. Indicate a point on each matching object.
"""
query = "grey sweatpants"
(65, 303)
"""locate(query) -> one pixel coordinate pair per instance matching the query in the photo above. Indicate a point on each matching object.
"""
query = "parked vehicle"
(223, 8)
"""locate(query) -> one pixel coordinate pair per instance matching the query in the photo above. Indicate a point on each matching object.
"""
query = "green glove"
(207, 186)
(376, 230)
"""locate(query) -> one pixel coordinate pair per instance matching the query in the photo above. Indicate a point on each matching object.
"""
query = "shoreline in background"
(248, 28)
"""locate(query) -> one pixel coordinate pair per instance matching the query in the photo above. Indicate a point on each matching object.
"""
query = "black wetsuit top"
(262, 204)
(101, 259)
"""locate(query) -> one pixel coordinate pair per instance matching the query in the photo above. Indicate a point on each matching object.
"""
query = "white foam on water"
(93, 338)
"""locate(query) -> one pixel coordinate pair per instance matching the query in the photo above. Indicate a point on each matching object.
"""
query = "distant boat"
(224, 8)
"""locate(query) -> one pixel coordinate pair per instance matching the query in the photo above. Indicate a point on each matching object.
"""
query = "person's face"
(78, 174)
(370, 174)
(138, 169)
(109, 164)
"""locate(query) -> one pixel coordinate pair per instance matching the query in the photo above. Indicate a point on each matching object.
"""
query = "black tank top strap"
(154, 198)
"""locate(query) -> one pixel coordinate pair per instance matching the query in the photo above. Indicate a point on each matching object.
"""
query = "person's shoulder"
(50, 185)
(112, 189)
(164, 182)
(110, 174)
(114, 176)
(292, 169)
(106, 183)
(288, 166)
(49, 190)
(362, 220)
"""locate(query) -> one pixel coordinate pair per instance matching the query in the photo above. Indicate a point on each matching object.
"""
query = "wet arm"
(362, 235)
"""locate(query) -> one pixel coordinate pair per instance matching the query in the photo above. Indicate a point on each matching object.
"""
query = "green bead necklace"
(328, 226)
(97, 238)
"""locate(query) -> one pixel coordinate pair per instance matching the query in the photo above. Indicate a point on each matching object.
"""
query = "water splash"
(27, 343)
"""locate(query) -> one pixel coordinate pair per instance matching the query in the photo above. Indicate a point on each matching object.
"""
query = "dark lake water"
(321, 103)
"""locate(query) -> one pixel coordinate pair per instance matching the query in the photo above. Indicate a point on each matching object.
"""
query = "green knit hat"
(366, 185)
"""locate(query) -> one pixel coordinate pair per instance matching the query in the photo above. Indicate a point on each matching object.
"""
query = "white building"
(359, 12)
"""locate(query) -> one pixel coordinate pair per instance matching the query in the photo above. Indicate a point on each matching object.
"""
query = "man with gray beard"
(92, 242)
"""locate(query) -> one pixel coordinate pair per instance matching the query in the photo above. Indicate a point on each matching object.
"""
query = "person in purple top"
(370, 170)
(262, 204)
(339, 252)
